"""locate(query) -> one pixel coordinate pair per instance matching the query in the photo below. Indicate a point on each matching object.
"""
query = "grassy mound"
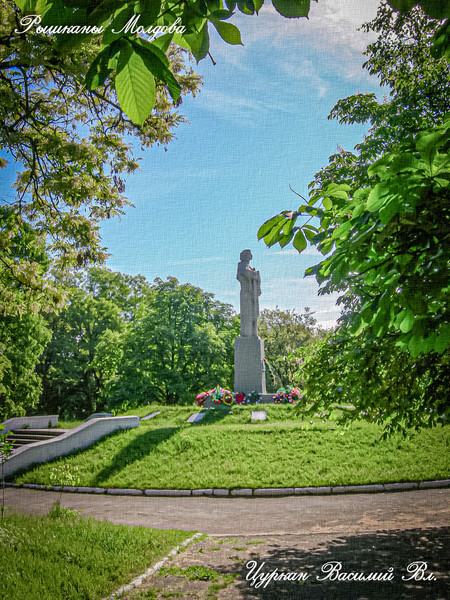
(228, 450)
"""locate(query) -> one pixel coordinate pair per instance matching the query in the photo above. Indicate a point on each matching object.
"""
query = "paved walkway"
(254, 538)
(352, 513)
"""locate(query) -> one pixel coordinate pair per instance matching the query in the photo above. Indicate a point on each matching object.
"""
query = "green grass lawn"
(75, 558)
(228, 450)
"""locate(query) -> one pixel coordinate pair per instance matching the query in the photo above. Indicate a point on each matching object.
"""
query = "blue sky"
(258, 125)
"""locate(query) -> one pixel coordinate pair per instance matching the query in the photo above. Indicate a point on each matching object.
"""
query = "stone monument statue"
(249, 366)
(250, 281)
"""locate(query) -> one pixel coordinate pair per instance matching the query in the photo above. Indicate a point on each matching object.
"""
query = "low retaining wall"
(74, 439)
(47, 421)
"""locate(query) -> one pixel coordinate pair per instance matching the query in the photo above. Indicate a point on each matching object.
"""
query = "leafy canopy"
(383, 214)
(72, 148)
(135, 34)
(121, 342)
(380, 217)
(180, 342)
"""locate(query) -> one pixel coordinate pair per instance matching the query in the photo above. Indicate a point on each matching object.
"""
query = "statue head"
(246, 255)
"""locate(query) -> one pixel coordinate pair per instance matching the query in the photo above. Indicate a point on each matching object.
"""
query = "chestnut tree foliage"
(380, 217)
(72, 147)
(134, 36)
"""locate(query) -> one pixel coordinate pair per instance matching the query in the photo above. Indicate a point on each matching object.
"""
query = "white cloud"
(331, 32)
(332, 26)
(285, 252)
(306, 70)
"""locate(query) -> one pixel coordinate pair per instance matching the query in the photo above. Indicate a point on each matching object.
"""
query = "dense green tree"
(72, 383)
(383, 229)
(284, 332)
(22, 337)
(22, 341)
(84, 353)
(180, 343)
(383, 382)
(125, 291)
(120, 341)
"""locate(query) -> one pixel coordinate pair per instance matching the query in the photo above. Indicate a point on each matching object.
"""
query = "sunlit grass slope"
(229, 450)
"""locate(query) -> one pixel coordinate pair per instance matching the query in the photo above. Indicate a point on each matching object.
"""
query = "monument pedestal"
(249, 366)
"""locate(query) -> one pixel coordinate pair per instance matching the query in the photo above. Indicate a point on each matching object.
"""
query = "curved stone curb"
(249, 492)
(151, 570)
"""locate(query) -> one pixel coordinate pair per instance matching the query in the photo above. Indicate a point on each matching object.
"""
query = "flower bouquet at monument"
(201, 398)
(218, 395)
(227, 397)
(280, 396)
(253, 397)
(294, 394)
(239, 398)
(288, 395)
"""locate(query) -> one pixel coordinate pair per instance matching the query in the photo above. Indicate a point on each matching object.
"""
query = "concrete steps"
(23, 437)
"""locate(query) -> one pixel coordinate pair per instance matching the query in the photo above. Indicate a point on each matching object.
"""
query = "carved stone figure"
(249, 366)
(250, 281)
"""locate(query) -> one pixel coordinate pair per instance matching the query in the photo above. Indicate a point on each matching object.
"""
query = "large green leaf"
(258, 4)
(34, 6)
(336, 190)
(327, 203)
(268, 225)
(407, 320)
(149, 9)
(287, 227)
(292, 8)
(442, 340)
(342, 231)
(156, 62)
(274, 234)
(299, 241)
(378, 196)
(135, 84)
(429, 143)
(286, 238)
(220, 15)
(246, 6)
(198, 43)
(228, 32)
(390, 209)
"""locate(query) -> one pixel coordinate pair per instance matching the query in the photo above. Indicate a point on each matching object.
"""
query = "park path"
(349, 513)
(363, 533)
